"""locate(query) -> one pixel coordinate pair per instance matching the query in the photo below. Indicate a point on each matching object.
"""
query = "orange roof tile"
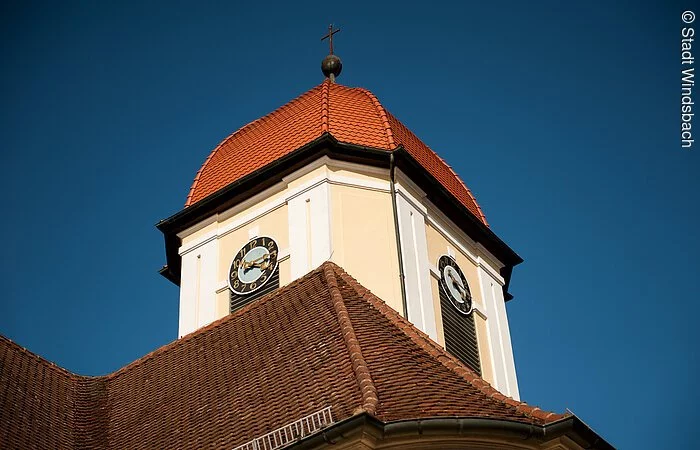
(350, 115)
(322, 340)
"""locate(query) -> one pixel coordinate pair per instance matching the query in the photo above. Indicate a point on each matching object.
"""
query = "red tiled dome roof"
(351, 115)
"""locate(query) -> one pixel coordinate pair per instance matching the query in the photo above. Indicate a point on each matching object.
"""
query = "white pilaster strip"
(298, 237)
(198, 287)
(506, 346)
(188, 294)
(492, 329)
(414, 248)
(498, 334)
(320, 222)
(309, 229)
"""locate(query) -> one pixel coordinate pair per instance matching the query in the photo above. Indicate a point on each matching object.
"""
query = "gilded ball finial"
(331, 66)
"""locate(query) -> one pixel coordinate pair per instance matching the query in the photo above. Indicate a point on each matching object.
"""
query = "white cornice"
(474, 251)
(411, 193)
(198, 226)
(402, 178)
(328, 176)
(310, 167)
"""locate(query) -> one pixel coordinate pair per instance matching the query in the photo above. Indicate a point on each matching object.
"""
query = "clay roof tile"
(323, 340)
(350, 115)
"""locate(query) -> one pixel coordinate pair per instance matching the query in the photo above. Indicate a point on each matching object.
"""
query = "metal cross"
(329, 36)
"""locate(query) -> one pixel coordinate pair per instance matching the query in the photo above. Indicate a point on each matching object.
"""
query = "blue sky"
(562, 117)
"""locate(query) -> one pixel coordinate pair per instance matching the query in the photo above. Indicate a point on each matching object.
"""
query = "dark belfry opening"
(460, 334)
(237, 302)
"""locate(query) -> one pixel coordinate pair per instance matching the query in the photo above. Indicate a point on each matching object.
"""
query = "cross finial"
(331, 64)
(329, 36)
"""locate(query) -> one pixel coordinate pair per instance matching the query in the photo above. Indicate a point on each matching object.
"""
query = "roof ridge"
(440, 354)
(358, 118)
(324, 106)
(47, 363)
(199, 331)
(468, 191)
(382, 115)
(368, 390)
(165, 348)
(241, 130)
(482, 216)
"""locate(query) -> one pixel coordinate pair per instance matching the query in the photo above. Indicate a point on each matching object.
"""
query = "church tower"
(333, 176)
(340, 288)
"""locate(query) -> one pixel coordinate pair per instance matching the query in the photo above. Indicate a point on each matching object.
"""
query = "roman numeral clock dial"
(253, 266)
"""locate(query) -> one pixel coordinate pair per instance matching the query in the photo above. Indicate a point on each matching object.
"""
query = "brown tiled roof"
(37, 401)
(320, 341)
(351, 115)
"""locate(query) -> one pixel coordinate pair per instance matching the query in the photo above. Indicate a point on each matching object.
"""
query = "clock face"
(253, 265)
(453, 282)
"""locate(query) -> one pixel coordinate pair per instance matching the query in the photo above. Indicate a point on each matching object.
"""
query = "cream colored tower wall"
(329, 210)
(364, 241)
(481, 270)
(207, 253)
(338, 211)
(271, 223)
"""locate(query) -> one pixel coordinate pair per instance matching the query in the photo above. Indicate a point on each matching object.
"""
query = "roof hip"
(370, 398)
(352, 115)
(440, 354)
(383, 115)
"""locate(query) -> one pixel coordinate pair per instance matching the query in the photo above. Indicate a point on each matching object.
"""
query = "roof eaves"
(433, 429)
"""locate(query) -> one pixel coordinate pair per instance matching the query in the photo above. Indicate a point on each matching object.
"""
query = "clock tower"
(334, 176)
(340, 287)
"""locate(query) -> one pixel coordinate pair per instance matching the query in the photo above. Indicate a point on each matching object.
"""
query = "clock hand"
(266, 255)
(258, 262)
(462, 291)
(454, 280)
(261, 264)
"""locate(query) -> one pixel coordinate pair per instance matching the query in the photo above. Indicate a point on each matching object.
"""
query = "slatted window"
(460, 333)
(239, 301)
